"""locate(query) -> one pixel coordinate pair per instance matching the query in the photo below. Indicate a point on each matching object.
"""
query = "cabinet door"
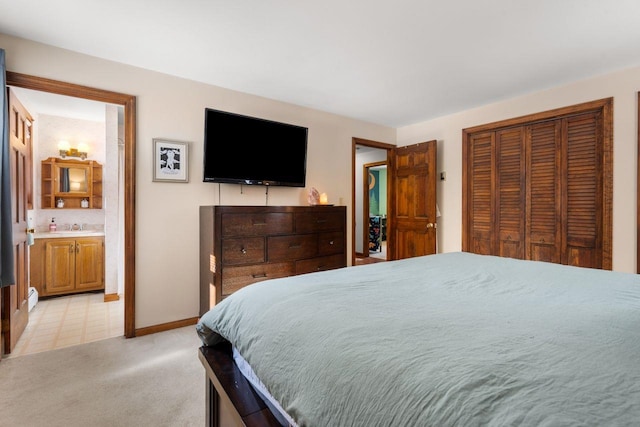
(60, 265)
(89, 263)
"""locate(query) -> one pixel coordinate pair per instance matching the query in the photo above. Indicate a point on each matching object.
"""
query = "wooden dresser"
(241, 245)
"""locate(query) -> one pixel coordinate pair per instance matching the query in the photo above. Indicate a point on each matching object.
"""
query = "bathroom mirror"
(73, 180)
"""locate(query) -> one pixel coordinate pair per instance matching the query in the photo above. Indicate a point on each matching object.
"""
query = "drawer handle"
(256, 276)
(244, 251)
(331, 242)
(259, 223)
(295, 246)
(319, 220)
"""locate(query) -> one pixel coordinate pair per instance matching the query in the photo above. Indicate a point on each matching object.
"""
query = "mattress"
(448, 339)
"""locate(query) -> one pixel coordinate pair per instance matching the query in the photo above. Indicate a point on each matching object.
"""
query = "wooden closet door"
(544, 192)
(566, 175)
(510, 192)
(479, 195)
(582, 189)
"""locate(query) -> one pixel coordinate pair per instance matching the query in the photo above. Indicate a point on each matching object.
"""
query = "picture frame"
(170, 161)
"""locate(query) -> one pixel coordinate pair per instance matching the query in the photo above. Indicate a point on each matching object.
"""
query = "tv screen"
(247, 150)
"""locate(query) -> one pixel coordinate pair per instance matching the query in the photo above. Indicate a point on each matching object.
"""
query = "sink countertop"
(67, 233)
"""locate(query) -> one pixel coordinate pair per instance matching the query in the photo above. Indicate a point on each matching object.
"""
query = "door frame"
(129, 104)
(390, 191)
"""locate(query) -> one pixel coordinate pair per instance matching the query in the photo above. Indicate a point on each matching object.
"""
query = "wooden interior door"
(15, 298)
(413, 217)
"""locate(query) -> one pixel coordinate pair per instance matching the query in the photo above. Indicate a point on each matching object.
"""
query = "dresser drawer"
(256, 224)
(249, 250)
(307, 222)
(284, 248)
(320, 264)
(234, 278)
(331, 243)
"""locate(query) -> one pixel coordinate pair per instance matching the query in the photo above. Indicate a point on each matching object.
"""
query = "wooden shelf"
(51, 185)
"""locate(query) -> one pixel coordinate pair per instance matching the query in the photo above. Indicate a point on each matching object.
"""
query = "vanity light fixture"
(66, 150)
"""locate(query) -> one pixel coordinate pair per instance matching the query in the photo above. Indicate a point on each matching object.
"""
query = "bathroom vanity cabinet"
(67, 265)
(71, 181)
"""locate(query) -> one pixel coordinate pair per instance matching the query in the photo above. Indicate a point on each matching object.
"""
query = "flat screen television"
(248, 150)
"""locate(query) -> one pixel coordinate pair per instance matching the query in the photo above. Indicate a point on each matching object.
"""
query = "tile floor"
(70, 320)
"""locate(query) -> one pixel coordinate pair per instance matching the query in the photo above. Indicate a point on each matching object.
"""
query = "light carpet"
(153, 380)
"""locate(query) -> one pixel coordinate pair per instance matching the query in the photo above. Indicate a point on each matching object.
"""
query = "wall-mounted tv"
(248, 150)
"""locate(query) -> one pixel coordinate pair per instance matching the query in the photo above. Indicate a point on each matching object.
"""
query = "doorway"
(370, 156)
(374, 210)
(58, 314)
(128, 103)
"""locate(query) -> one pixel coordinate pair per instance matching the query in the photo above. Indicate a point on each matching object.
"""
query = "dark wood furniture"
(540, 187)
(230, 398)
(241, 245)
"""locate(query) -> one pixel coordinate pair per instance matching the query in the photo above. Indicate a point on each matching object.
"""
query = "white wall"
(622, 86)
(167, 213)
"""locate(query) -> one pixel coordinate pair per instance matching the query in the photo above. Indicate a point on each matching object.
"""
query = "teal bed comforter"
(453, 339)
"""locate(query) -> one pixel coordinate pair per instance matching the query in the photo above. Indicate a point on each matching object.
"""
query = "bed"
(452, 339)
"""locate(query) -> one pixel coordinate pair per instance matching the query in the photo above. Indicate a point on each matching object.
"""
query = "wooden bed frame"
(230, 399)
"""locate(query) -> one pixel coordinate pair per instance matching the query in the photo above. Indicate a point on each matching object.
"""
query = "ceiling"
(388, 62)
(38, 102)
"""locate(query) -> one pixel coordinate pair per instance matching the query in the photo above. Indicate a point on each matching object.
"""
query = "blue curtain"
(6, 235)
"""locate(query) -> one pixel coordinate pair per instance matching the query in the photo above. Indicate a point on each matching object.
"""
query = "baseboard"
(166, 326)
(111, 297)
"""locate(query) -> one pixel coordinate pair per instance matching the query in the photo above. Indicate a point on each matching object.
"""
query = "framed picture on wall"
(170, 161)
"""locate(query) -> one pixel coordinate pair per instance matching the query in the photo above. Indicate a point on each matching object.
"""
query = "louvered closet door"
(583, 190)
(544, 197)
(480, 211)
(510, 192)
(540, 187)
